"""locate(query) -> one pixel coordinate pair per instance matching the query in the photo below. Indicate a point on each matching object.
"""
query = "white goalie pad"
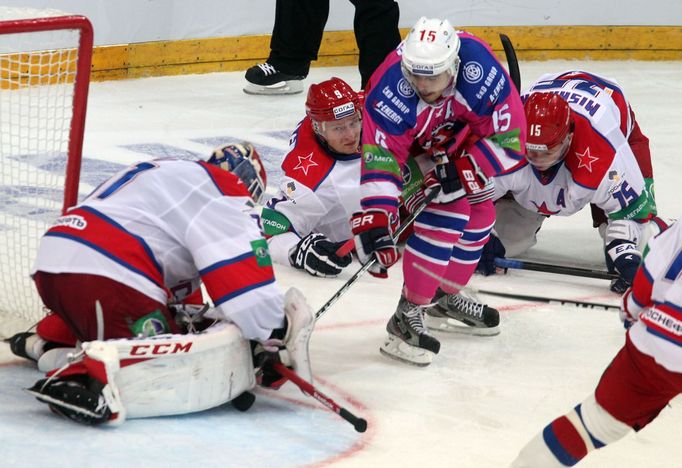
(178, 374)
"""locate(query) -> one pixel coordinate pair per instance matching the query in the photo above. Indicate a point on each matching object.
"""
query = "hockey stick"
(512, 61)
(407, 222)
(520, 297)
(557, 269)
(359, 424)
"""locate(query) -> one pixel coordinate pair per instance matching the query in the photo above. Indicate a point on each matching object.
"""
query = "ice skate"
(408, 340)
(77, 397)
(456, 313)
(265, 79)
(27, 345)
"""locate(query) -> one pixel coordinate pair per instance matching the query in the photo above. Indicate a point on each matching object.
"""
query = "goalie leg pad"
(178, 374)
(301, 323)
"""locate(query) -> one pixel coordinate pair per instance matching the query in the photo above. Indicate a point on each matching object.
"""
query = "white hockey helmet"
(431, 48)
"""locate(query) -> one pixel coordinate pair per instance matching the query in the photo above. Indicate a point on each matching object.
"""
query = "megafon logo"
(72, 221)
(344, 110)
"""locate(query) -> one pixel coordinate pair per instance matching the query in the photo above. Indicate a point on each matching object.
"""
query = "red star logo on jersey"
(586, 159)
(542, 209)
(305, 163)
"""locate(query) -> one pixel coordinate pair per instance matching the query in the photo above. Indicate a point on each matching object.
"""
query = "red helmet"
(331, 100)
(549, 121)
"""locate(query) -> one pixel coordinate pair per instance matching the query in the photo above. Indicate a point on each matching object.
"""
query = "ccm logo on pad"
(160, 349)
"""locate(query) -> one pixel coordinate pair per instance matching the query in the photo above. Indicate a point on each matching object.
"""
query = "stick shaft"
(306, 387)
(405, 224)
(520, 297)
(556, 269)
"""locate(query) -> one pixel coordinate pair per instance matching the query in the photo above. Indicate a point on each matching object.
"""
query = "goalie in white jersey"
(145, 238)
(577, 154)
(643, 377)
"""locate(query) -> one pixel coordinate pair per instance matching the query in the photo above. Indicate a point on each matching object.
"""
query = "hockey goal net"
(45, 62)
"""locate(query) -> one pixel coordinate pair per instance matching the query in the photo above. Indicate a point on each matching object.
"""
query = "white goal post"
(45, 62)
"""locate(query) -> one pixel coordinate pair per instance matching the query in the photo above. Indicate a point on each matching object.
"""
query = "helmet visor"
(544, 159)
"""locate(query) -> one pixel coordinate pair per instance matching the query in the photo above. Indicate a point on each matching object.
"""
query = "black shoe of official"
(266, 79)
(76, 397)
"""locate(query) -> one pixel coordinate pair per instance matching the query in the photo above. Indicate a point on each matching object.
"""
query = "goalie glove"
(373, 236)
(317, 255)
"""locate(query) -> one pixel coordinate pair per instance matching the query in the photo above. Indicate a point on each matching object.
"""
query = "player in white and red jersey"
(577, 154)
(308, 219)
(643, 377)
(146, 237)
(468, 124)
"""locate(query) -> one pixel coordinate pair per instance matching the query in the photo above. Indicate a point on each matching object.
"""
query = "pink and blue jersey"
(482, 99)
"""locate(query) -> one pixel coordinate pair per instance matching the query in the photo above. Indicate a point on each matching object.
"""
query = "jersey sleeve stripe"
(106, 236)
(238, 292)
(233, 277)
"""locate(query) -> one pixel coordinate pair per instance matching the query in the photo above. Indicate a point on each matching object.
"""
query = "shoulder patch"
(589, 156)
(307, 162)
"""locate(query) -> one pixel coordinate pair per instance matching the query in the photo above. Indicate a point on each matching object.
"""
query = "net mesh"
(37, 88)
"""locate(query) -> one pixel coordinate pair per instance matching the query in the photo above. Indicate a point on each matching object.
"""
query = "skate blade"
(397, 349)
(449, 325)
(281, 88)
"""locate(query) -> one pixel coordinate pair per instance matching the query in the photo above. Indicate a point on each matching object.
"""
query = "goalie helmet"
(331, 100)
(242, 160)
(431, 48)
(549, 126)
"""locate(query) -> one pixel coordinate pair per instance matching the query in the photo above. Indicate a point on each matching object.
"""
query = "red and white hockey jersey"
(163, 226)
(319, 192)
(657, 296)
(599, 166)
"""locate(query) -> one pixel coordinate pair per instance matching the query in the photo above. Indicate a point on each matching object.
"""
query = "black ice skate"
(77, 397)
(408, 340)
(265, 79)
(457, 313)
(27, 345)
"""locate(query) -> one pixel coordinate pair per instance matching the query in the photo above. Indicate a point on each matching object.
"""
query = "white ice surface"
(475, 406)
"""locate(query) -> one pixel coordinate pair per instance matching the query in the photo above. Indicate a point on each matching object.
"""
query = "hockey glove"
(373, 236)
(445, 175)
(470, 173)
(317, 255)
(622, 256)
(413, 201)
(493, 248)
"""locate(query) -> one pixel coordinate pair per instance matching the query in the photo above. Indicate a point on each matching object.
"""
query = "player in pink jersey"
(643, 377)
(444, 98)
(145, 238)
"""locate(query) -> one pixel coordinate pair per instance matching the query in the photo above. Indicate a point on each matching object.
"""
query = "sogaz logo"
(473, 72)
(344, 110)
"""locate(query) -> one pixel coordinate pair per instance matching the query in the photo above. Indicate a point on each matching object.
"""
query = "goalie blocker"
(109, 381)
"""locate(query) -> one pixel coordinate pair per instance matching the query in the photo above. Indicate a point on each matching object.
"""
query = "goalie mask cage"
(44, 78)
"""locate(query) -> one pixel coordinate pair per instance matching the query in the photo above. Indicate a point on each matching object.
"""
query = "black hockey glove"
(445, 174)
(623, 258)
(493, 248)
(317, 255)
